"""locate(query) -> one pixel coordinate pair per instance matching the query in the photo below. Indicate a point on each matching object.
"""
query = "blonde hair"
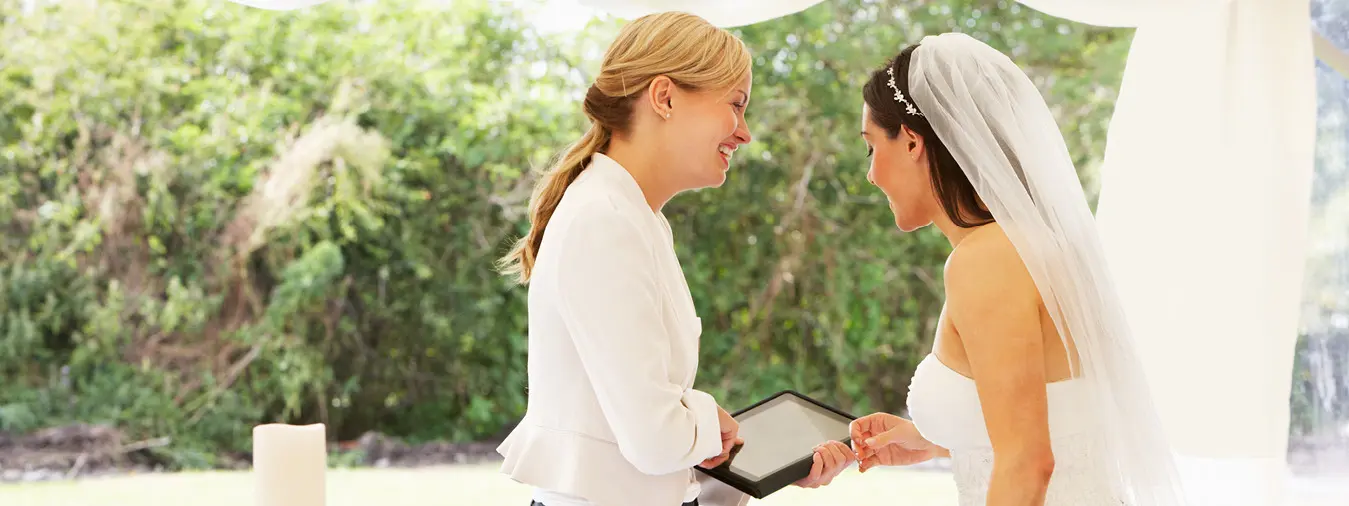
(691, 52)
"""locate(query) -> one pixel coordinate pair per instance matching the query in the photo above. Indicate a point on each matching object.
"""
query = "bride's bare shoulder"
(986, 260)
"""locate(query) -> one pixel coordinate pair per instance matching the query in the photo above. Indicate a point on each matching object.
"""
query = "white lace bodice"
(945, 408)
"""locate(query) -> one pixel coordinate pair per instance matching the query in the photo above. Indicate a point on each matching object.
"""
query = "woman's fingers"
(838, 459)
(827, 462)
(722, 458)
(714, 462)
(841, 453)
(829, 459)
(812, 481)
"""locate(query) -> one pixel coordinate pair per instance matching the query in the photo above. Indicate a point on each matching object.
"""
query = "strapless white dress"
(944, 406)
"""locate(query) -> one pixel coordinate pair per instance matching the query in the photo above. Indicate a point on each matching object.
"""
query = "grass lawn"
(477, 485)
(480, 485)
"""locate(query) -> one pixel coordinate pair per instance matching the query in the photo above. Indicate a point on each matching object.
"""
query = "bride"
(1032, 388)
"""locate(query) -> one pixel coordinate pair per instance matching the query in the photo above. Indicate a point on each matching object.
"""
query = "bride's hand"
(883, 439)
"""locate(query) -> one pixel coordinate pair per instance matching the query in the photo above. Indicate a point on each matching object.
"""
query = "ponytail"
(547, 194)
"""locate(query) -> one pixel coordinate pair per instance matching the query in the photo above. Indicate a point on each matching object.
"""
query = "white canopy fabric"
(1203, 209)
(1204, 206)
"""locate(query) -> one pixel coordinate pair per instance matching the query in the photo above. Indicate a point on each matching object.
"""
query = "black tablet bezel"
(783, 477)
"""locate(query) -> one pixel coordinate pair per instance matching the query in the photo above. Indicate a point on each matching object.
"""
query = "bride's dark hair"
(952, 188)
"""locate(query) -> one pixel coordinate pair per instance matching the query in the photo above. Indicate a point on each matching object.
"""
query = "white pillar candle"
(289, 462)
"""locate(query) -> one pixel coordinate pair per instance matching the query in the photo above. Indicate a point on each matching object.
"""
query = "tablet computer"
(780, 433)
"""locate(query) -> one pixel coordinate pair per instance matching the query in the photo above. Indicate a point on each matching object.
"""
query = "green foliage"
(217, 216)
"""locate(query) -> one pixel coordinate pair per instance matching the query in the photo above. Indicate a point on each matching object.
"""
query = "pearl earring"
(667, 115)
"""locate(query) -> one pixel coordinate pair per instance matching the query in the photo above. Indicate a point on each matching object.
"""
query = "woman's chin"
(907, 226)
(715, 178)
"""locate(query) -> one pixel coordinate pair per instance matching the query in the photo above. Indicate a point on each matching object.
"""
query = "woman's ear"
(913, 143)
(660, 96)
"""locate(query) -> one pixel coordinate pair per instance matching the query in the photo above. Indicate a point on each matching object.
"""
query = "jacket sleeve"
(611, 304)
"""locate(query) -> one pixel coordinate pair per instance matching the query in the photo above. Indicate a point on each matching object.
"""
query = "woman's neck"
(644, 166)
(954, 233)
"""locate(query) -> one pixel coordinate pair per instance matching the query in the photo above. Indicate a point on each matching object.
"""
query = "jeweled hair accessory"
(899, 95)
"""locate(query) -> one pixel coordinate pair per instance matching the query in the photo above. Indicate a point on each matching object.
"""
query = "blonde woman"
(613, 418)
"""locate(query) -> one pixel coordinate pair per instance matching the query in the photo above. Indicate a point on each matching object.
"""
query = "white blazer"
(613, 348)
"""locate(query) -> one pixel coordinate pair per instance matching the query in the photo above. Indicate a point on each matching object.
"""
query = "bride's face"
(899, 168)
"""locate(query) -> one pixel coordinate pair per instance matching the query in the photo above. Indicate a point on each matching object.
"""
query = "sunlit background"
(217, 216)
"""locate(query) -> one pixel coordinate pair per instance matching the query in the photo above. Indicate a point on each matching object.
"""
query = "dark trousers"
(690, 503)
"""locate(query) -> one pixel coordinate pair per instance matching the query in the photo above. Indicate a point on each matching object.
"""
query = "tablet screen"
(782, 431)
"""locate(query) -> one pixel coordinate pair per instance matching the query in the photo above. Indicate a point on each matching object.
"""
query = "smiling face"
(899, 167)
(705, 129)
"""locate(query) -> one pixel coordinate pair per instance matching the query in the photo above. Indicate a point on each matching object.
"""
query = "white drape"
(1203, 211)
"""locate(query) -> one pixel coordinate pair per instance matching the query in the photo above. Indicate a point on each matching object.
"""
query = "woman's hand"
(883, 439)
(831, 458)
(730, 437)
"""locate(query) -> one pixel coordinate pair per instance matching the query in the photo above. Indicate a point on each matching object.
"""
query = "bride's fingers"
(856, 433)
(885, 438)
(864, 452)
(869, 463)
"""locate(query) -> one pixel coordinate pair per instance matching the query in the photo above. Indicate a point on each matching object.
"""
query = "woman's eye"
(870, 151)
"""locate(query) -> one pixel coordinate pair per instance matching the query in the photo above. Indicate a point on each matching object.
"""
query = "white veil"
(995, 123)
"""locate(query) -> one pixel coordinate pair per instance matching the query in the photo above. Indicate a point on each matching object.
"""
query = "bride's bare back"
(988, 287)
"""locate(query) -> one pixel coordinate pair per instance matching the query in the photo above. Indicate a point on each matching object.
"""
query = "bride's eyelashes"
(870, 150)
